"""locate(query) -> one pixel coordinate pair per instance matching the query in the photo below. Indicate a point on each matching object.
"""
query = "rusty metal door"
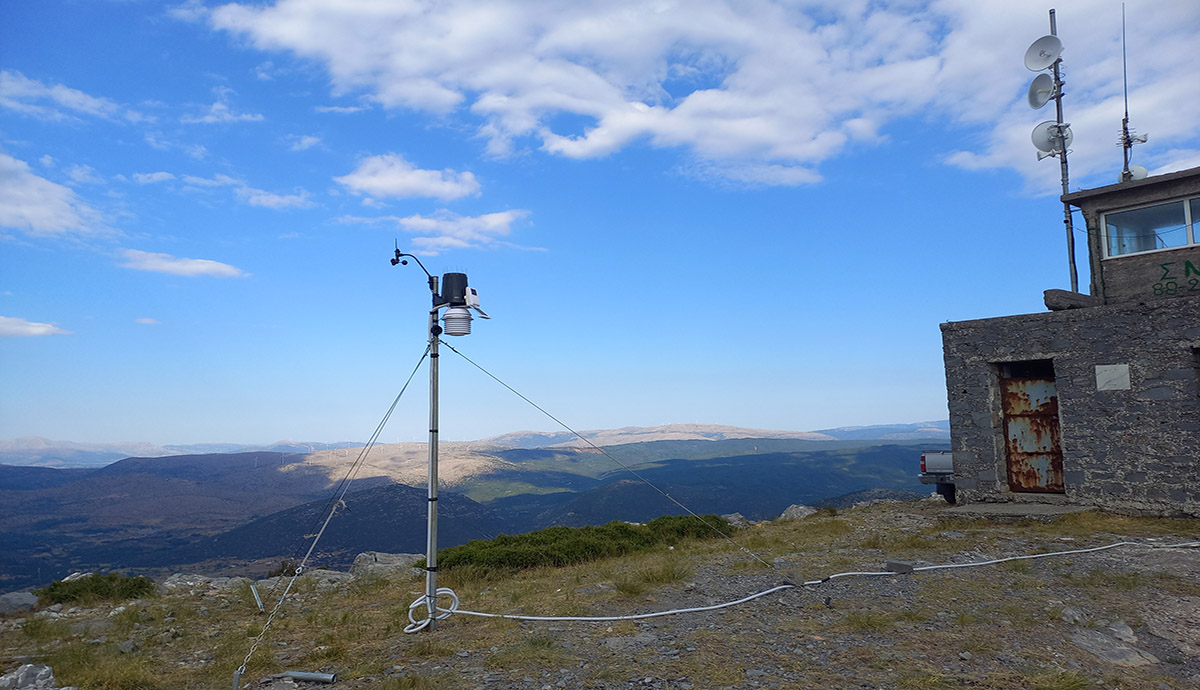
(1035, 461)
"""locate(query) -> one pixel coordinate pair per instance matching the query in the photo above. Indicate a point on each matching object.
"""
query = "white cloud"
(264, 71)
(340, 109)
(303, 142)
(165, 263)
(751, 174)
(189, 11)
(13, 327)
(390, 175)
(245, 193)
(57, 102)
(221, 112)
(763, 89)
(156, 140)
(47, 161)
(151, 178)
(446, 230)
(257, 197)
(214, 181)
(146, 320)
(39, 207)
(84, 174)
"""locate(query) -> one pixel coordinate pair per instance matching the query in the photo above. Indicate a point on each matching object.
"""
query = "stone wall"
(1130, 446)
(1158, 275)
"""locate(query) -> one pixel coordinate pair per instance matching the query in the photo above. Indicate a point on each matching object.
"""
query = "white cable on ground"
(444, 613)
(418, 625)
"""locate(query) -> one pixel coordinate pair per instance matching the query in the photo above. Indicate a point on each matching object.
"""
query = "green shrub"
(561, 546)
(93, 588)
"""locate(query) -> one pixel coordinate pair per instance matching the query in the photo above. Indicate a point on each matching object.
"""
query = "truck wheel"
(946, 491)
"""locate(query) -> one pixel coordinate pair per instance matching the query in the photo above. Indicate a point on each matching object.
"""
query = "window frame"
(1190, 222)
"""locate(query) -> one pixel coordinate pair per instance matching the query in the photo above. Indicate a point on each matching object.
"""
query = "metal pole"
(431, 542)
(1058, 94)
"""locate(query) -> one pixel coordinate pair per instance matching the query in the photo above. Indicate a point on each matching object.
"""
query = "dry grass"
(198, 641)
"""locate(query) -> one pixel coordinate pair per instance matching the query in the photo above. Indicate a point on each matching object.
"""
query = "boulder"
(1111, 649)
(1058, 300)
(29, 677)
(319, 577)
(378, 564)
(17, 602)
(328, 579)
(736, 520)
(128, 647)
(228, 582)
(185, 582)
(796, 512)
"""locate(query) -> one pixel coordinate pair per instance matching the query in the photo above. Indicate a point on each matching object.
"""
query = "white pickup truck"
(937, 467)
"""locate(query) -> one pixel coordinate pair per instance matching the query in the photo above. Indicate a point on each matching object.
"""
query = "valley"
(245, 512)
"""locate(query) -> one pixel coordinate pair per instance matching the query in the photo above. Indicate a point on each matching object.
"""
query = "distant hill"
(387, 518)
(158, 510)
(758, 485)
(892, 432)
(35, 451)
(638, 434)
(46, 520)
(392, 517)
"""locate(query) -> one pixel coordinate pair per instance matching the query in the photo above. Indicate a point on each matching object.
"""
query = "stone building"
(1097, 400)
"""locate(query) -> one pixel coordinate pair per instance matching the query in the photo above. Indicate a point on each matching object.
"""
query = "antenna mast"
(1058, 84)
(1053, 137)
(1128, 138)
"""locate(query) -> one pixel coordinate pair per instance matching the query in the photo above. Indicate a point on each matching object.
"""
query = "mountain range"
(220, 511)
(35, 451)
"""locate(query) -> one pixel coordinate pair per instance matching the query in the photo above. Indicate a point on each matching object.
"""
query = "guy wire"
(606, 454)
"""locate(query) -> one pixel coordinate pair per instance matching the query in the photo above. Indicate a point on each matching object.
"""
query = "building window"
(1151, 228)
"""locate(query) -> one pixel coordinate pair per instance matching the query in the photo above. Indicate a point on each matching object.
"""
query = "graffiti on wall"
(1177, 279)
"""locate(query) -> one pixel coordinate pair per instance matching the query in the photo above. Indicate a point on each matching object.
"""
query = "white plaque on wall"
(1112, 377)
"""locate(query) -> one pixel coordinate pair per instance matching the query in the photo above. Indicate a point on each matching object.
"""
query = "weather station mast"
(458, 299)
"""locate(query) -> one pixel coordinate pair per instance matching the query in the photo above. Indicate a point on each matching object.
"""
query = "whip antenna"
(1128, 138)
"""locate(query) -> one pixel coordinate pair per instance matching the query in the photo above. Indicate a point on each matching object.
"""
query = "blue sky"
(749, 213)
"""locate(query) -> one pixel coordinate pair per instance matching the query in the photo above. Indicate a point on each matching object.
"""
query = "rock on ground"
(379, 564)
(29, 677)
(1111, 649)
(180, 582)
(736, 520)
(17, 602)
(796, 512)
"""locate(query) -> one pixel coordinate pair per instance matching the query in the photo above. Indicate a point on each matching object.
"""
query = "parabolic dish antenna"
(1045, 136)
(1138, 172)
(1040, 91)
(1043, 53)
